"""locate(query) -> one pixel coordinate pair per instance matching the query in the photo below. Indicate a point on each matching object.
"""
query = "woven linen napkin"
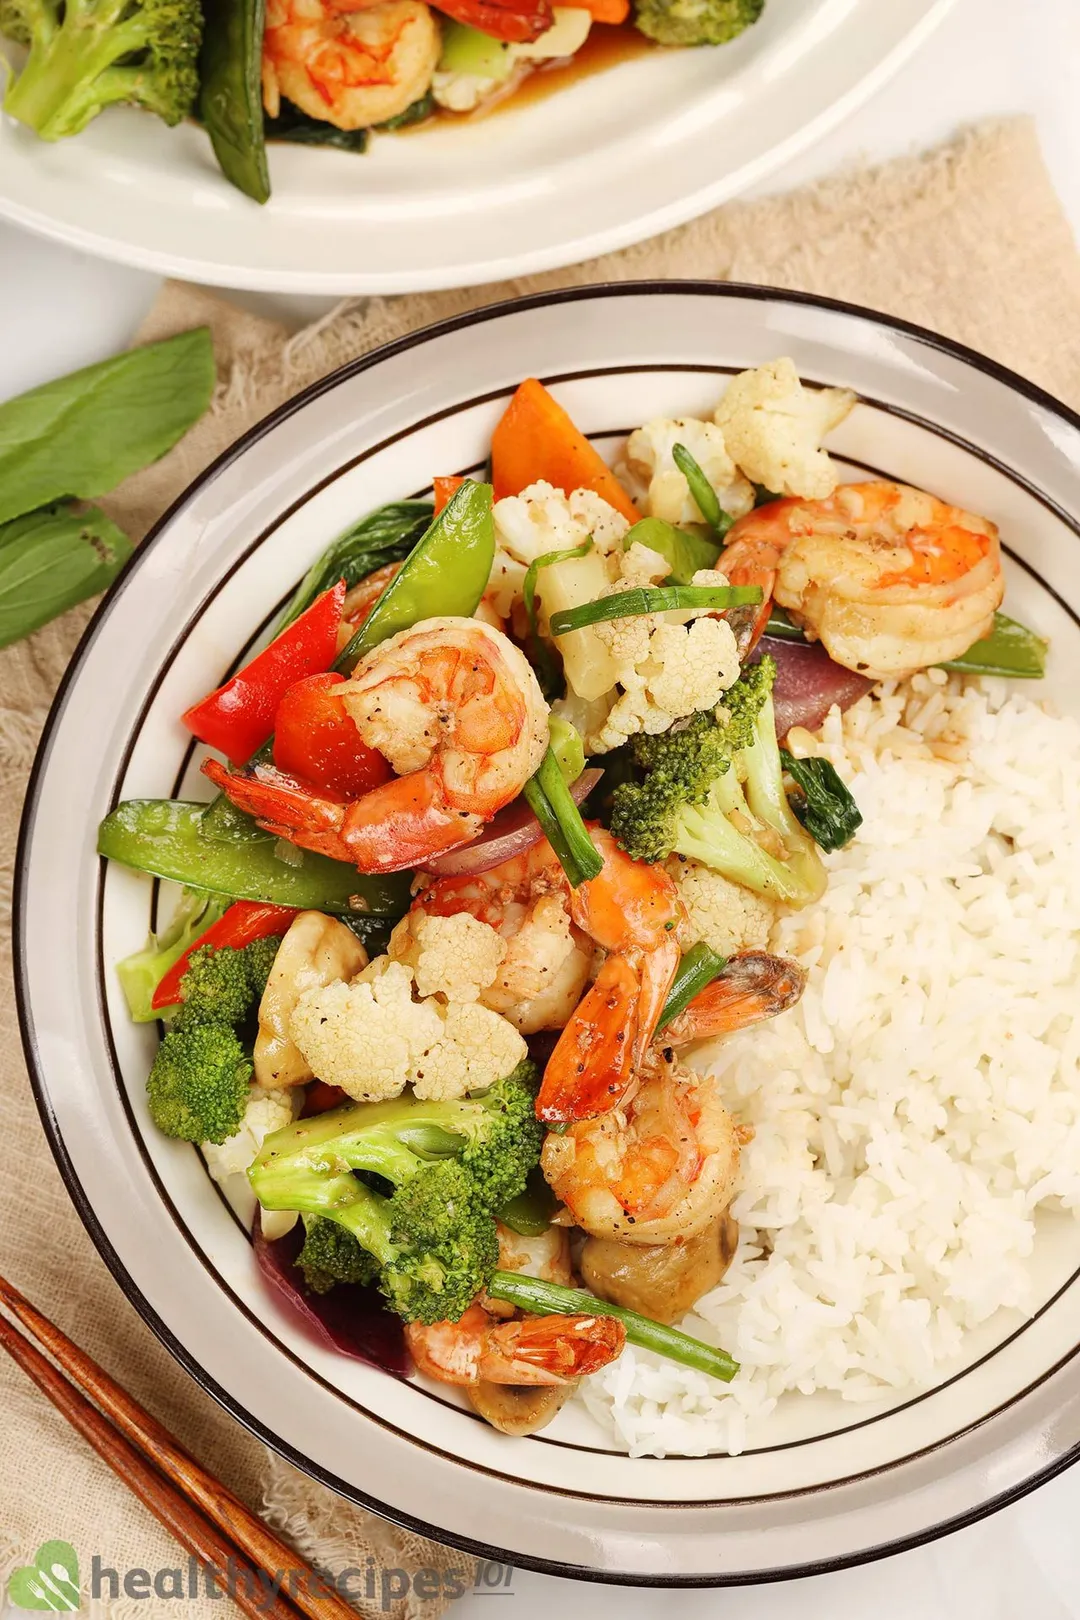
(969, 240)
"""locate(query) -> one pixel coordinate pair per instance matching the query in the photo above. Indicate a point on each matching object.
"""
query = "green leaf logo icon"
(50, 1582)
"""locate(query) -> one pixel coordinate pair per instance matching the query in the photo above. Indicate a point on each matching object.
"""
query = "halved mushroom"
(518, 1408)
(316, 951)
(661, 1280)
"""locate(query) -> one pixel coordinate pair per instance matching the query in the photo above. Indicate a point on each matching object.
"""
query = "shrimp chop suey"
(608, 958)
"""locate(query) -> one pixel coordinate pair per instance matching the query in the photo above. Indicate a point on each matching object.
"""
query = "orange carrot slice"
(444, 489)
(536, 439)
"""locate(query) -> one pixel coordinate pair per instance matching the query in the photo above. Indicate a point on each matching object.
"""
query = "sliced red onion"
(350, 1319)
(510, 833)
(808, 683)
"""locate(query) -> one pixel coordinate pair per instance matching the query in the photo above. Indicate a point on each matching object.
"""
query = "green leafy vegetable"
(529, 1214)
(824, 803)
(86, 55)
(697, 969)
(230, 100)
(653, 599)
(384, 536)
(552, 1299)
(50, 560)
(781, 626)
(1011, 649)
(83, 434)
(685, 552)
(547, 670)
(415, 113)
(296, 127)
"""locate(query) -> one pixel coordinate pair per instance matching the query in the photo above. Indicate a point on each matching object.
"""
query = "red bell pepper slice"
(315, 739)
(514, 20)
(239, 717)
(445, 489)
(245, 921)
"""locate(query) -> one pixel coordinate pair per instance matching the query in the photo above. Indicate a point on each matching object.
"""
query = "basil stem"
(653, 599)
(551, 1299)
(698, 968)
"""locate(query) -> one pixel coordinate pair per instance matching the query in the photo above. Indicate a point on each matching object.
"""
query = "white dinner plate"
(821, 1482)
(610, 160)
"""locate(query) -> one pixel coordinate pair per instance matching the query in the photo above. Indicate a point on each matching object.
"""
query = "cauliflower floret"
(543, 519)
(455, 957)
(660, 489)
(478, 1048)
(773, 427)
(373, 1039)
(265, 1112)
(724, 915)
(462, 92)
(669, 665)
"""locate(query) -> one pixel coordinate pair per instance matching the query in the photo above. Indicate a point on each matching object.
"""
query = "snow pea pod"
(445, 574)
(230, 103)
(172, 839)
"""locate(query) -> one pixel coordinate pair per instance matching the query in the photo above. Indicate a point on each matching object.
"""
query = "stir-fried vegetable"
(823, 803)
(242, 924)
(386, 535)
(238, 717)
(653, 599)
(230, 96)
(1010, 650)
(167, 837)
(142, 972)
(550, 1299)
(445, 574)
(536, 440)
(700, 965)
(701, 490)
(546, 667)
(686, 553)
(553, 805)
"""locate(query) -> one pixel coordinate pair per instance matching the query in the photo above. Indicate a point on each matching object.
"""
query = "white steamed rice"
(922, 1103)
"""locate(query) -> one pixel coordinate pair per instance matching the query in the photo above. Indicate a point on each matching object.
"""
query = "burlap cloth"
(969, 240)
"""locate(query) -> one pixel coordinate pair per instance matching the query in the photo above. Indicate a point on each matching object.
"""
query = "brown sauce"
(605, 48)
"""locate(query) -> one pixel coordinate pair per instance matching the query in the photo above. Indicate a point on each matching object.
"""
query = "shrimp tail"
(403, 823)
(754, 986)
(550, 1349)
(605, 1042)
(284, 806)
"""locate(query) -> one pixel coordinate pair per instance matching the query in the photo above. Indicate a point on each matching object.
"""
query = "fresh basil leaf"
(386, 535)
(83, 434)
(685, 552)
(52, 559)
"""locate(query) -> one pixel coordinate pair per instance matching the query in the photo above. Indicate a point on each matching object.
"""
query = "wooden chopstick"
(202, 1513)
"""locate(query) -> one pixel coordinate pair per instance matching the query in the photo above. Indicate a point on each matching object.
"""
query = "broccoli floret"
(142, 972)
(87, 54)
(224, 984)
(714, 791)
(198, 1085)
(415, 1182)
(331, 1255)
(696, 22)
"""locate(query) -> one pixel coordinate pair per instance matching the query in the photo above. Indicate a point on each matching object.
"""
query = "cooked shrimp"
(631, 910)
(661, 1165)
(527, 900)
(753, 986)
(456, 709)
(533, 1350)
(888, 578)
(546, 1256)
(348, 62)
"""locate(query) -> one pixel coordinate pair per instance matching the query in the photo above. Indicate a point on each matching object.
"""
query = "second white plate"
(609, 161)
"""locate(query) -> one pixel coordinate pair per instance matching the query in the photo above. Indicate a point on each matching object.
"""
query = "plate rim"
(20, 902)
(574, 250)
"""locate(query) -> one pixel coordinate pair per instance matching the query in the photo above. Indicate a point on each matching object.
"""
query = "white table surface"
(59, 310)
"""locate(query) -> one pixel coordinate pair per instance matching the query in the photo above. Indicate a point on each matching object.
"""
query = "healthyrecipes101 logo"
(51, 1583)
